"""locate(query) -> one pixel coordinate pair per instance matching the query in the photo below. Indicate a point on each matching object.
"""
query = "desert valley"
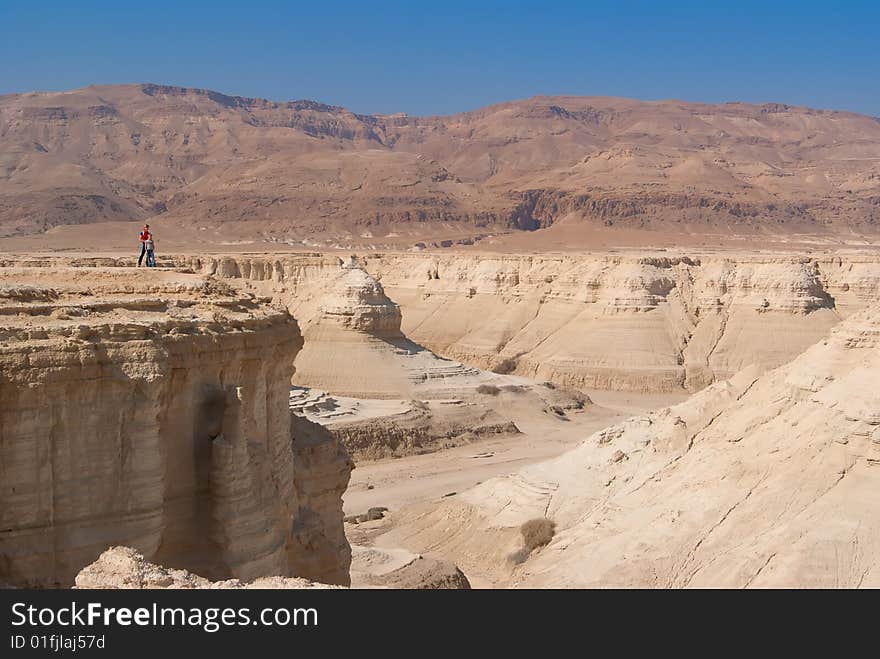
(560, 342)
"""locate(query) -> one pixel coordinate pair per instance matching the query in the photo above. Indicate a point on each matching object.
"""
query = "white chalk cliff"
(150, 409)
(625, 322)
(652, 323)
(758, 481)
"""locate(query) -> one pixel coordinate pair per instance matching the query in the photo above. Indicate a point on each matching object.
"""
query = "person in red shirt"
(145, 235)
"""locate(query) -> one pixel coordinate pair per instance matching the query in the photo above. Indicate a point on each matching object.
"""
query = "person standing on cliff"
(151, 256)
(145, 235)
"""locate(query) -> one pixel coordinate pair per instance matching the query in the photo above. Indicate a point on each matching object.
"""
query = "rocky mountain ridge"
(304, 170)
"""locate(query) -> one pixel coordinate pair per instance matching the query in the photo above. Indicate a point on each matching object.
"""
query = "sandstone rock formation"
(321, 469)
(310, 172)
(608, 321)
(356, 353)
(150, 408)
(625, 322)
(354, 347)
(630, 322)
(371, 429)
(355, 343)
(373, 567)
(757, 481)
(123, 567)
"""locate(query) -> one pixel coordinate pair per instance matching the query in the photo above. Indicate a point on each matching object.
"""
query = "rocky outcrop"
(151, 410)
(321, 469)
(354, 343)
(656, 323)
(607, 321)
(421, 429)
(357, 302)
(374, 567)
(124, 567)
(758, 481)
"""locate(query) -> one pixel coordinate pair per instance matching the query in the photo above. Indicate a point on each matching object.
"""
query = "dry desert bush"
(505, 366)
(535, 533)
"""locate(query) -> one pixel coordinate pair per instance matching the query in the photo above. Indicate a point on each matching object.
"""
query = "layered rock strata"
(151, 410)
(627, 322)
(758, 481)
(309, 173)
(660, 322)
(639, 323)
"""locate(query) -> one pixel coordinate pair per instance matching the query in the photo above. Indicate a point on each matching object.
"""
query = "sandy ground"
(121, 238)
(402, 481)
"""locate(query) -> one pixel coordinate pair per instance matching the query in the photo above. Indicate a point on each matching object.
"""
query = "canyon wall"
(642, 323)
(607, 321)
(151, 410)
(763, 480)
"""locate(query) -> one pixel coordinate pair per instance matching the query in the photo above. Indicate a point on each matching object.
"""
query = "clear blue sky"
(447, 56)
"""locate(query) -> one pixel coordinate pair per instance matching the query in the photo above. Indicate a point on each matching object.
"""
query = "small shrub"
(489, 389)
(537, 533)
(505, 366)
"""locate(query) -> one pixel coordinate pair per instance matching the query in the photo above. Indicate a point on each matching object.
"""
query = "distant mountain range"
(301, 168)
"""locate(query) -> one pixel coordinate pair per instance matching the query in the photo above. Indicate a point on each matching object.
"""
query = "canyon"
(269, 319)
(757, 481)
(659, 407)
(645, 321)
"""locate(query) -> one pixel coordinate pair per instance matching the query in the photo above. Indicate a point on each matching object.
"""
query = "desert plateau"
(397, 419)
(559, 342)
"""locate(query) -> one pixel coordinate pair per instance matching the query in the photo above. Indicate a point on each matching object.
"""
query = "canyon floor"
(648, 404)
(396, 482)
(430, 478)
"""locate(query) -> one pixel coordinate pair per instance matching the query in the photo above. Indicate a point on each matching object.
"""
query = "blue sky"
(444, 57)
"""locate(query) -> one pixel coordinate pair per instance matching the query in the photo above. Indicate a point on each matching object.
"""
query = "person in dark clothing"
(145, 235)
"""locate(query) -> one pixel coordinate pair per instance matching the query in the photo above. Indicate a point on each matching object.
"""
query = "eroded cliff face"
(608, 321)
(624, 322)
(758, 481)
(605, 321)
(150, 409)
(354, 341)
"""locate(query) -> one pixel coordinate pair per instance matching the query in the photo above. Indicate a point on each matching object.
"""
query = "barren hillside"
(757, 481)
(305, 171)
